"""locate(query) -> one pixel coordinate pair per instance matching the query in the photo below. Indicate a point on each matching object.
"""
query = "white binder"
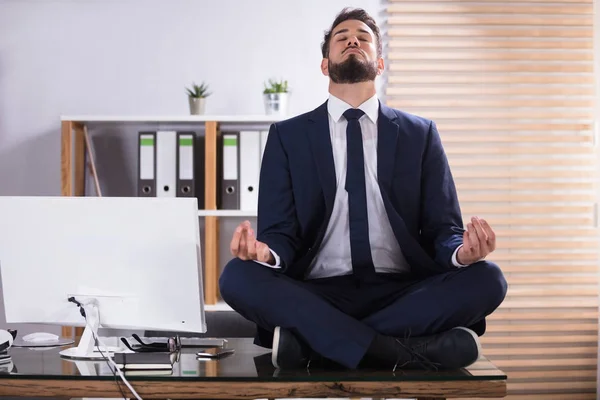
(166, 163)
(249, 169)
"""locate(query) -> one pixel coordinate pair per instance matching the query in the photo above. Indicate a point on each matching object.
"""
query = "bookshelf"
(226, 213)
(73, 173)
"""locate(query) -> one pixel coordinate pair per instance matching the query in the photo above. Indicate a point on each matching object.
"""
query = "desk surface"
(247, 373)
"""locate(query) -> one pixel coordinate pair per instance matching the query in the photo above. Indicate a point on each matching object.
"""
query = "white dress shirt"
(333, 257)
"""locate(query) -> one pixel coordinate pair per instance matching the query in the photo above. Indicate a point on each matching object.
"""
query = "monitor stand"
(87, 349)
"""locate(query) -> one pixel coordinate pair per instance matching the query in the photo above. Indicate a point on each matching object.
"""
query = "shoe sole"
(475, 338)
(275, 349)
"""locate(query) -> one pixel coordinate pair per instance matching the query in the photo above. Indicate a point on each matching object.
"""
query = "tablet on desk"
(214, 353)
(143, 361)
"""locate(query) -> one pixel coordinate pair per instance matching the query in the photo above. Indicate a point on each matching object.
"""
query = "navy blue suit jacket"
(298, 185)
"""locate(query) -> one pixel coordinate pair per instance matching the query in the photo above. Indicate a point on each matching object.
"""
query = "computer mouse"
(40, 337)
(5, 337)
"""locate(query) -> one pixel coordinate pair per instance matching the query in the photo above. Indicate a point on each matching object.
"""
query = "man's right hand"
(245, 246)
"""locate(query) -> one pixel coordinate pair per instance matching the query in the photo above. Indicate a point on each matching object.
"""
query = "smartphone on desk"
(213, 353)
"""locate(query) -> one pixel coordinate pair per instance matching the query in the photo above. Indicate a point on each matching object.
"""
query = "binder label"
(186, 157)
(230, 157)
(146, 157)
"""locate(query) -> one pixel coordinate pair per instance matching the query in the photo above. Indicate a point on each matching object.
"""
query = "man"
(360, 255)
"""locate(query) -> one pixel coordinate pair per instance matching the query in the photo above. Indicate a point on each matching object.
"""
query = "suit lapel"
(387, 138)
(320, 141)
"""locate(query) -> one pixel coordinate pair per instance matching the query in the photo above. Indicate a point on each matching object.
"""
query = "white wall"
(127, 57)
(136, 56)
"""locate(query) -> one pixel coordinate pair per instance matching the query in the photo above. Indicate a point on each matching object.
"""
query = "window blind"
(511, 88)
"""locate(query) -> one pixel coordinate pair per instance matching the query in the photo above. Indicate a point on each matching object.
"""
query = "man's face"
(352, 54)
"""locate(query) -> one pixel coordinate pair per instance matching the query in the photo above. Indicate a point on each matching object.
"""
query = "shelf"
(220, 306)
(172, 118)
(73, 154)
(227, 213)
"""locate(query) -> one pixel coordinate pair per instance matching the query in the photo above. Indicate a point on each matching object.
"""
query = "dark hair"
(351, 13)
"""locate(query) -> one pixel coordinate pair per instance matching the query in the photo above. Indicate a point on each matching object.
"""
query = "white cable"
(110, 360)
(98, 343)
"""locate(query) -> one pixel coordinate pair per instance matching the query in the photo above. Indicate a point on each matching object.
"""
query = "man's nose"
(353, 41)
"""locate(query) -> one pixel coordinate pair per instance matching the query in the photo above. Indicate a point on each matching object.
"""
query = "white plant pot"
(276, 103)
(197, 105)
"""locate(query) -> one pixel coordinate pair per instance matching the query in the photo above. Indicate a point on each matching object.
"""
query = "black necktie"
(360, 248)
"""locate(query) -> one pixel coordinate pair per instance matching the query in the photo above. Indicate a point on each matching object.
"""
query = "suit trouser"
(339, 318)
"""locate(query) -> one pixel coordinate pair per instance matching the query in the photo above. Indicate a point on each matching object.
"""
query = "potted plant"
(197, 95)
(276, 97)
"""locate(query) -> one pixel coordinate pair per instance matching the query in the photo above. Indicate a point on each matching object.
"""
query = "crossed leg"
(268, 298)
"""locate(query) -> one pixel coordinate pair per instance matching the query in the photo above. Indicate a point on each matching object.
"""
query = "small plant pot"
(197, 105)
(276, 103)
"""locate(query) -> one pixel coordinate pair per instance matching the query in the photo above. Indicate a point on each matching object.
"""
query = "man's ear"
(325, 66)
(380, 66)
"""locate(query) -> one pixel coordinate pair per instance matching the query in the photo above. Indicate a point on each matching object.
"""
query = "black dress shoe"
(453, 349)
(288, 351)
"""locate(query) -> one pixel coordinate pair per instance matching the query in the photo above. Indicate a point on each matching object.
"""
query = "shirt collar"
(337, 106)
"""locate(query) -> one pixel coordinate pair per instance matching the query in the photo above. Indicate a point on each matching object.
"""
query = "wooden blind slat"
(546, 267)
(494, 103)
(482, 114)
(515, 127)
(550, 374)
(477, 66)
(531, 173)
(522, 150)
(494, 184)
(531, 90)
(551, 244)
(551, 385)
(492, 208)
(551, 291)
(505, 314)
(474, 8)
(537, 351)
(469, 2)
(539, 279)
(471, 31)
(500, 255)
(539, 197)
(485, 20)
(489, 43)
(566, 232)
(550, 302)
(542, 162)
(538, 339)
(544, 328)
(517, 2)
(482, 55)
(519, 139)
(486, 78)
(551, 221)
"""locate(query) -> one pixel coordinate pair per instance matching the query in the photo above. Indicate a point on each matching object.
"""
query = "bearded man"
(360, 257)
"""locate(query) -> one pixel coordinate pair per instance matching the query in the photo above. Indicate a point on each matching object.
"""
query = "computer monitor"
(136, 262)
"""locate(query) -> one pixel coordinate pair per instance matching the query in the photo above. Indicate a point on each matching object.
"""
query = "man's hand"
(479, 240)
(245, 246)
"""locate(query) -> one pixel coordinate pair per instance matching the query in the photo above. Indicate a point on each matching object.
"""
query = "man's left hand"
(479, 240)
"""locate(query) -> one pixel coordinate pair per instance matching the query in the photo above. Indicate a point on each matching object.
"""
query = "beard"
(352, 70)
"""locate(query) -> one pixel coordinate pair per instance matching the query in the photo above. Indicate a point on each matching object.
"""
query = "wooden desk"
(248, 374)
